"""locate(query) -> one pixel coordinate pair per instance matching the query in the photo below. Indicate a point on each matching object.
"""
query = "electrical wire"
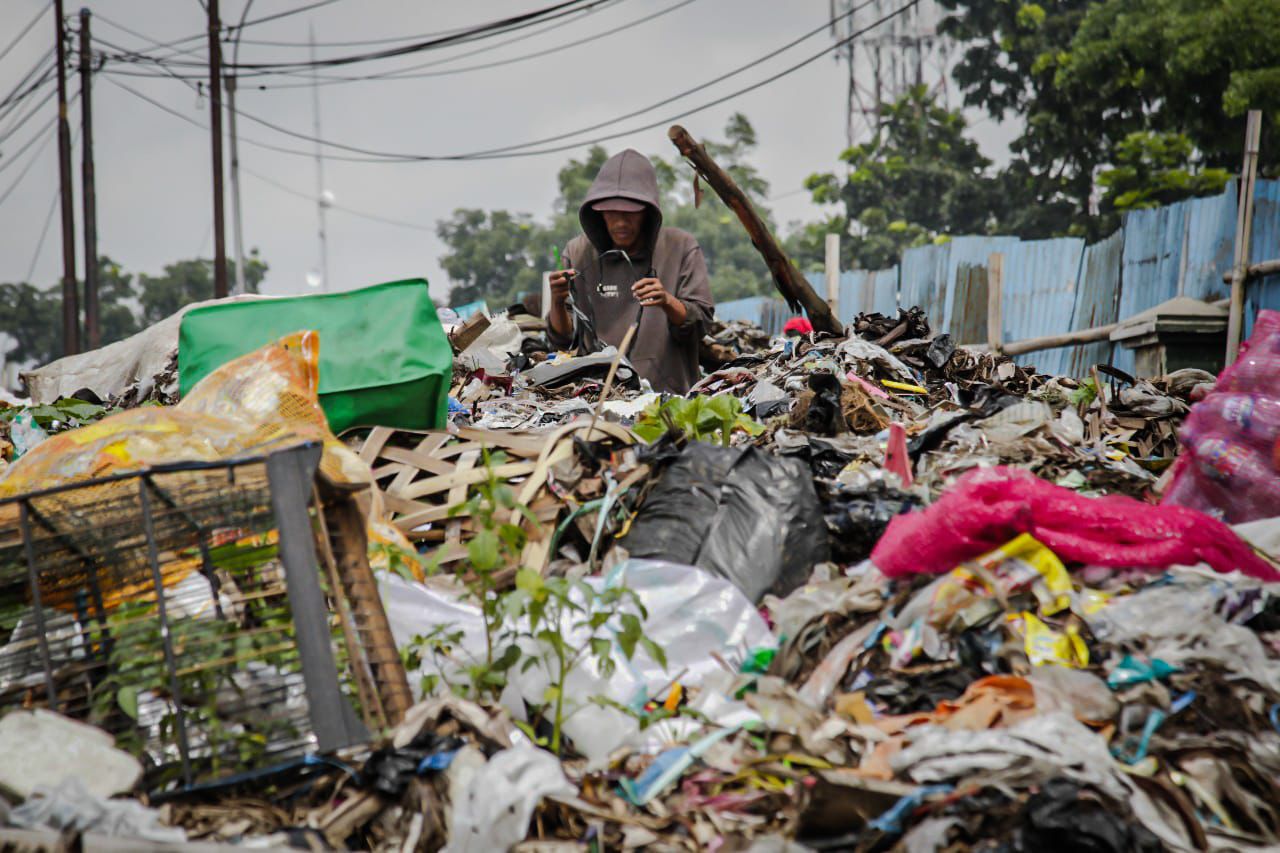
(504, 25)
(18, 123)
(515, 150)
(20, 36)
(518, 149)
(351, 211)
(44, 232)
(405, 73)
(13, 158)
(278, 15)
(152, 42)
(310, 155)
(47, 64)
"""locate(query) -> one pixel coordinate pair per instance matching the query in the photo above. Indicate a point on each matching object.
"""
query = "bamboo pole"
(995, 301)
(786, 277)
(1244, 227)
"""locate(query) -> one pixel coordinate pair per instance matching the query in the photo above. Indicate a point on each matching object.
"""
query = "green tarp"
(384, 358)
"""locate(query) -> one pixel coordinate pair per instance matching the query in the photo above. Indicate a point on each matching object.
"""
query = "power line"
(517, 149)
(18, 123)
(511, 151)
(284, 14)
(44, 232)
(268, 146)
(20, 36)
(45, 75)
(358, 213)
(404, 73)
(504, 25)
(13, 158)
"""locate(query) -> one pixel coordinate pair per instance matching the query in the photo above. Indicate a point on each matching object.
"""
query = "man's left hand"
(650, 292)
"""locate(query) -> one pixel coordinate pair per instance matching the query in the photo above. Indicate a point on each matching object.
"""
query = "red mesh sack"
(986, 508)
(1229, 463)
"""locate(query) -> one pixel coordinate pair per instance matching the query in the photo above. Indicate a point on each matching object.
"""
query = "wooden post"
(790, 283)
(89, 196)
(70, 290)
(1244, 227)
(833, 272)
(546, 294)
(215, 132)
(995, 301)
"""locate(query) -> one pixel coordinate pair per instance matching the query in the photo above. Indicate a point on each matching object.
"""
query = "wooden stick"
(832, 270)
(1244, 227)
(608, 380)
(1258, 270)
(1084, 336)
(995, 301)
(793, 287)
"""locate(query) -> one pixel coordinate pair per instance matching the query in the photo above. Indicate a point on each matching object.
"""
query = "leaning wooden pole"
(1244, 228)
(790, 283)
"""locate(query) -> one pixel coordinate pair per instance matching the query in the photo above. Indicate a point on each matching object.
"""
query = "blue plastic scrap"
(890, 822)
(1132, 671)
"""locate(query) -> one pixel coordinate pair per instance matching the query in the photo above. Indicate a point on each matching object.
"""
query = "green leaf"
(528, 580)
(630, 634)
(510, 655)
(127, 699)
(655, 651)
(483, 550)
(601, 647)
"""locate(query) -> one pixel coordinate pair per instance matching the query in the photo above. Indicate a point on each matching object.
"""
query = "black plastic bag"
(740, 513)
(856, 518)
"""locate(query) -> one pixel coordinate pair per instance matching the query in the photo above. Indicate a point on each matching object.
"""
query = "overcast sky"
(153, 168)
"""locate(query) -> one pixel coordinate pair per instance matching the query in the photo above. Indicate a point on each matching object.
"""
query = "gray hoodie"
(664, 354)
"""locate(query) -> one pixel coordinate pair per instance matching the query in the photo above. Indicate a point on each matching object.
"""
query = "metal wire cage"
(183, 609)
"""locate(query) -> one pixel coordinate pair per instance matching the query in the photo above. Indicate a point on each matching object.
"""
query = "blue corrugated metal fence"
(1061, 285)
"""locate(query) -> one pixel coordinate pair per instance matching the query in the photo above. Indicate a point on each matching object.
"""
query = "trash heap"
(871, 592)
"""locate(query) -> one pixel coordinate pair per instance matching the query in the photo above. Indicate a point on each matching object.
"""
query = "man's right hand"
(560, 280)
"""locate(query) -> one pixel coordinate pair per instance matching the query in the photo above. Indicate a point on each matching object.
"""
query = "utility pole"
(70, 298)
(92, 332)
(322, 201)
(215, 99)
(237, 218)
(237, 224)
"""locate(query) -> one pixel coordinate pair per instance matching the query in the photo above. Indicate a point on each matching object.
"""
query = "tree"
(32, 317)
(1153, 169)
(499, 256)
(1095, 82)
(918, 180)
(190, 281)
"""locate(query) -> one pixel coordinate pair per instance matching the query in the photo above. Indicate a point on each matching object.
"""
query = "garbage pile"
(872, 592)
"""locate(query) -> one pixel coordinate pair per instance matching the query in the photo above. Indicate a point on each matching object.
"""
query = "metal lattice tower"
(903, 52)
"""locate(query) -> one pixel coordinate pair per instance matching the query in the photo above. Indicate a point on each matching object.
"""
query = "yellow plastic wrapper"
(1021, 563)
(263, 401)
(1045, 645)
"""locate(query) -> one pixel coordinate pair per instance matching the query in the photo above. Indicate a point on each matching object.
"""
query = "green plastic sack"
(384, 358)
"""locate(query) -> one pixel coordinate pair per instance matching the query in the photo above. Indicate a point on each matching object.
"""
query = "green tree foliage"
(499, 256)
(32, 316)
(1107, 87)
(1153, 169)
(919, 180)
(190, 281)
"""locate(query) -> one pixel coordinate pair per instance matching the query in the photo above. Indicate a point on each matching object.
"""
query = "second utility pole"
(92, 332)
(70, 297)
(215, 98)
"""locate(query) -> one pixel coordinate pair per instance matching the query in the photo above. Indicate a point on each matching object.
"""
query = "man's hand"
(651, 293)
(560, 281)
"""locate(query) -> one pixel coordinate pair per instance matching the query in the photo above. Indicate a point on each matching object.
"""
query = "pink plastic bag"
(986, 508)
(1229, 464)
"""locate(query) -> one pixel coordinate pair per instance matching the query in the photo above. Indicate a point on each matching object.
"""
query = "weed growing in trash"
(699, 418)
(553, 611)
(554, 623)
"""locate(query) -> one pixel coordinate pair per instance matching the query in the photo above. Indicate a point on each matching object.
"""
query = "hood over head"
(629, 175)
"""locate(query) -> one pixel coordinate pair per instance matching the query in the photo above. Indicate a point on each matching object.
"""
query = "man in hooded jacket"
(627, 265)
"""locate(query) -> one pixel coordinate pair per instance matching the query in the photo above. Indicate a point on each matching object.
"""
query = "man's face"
(624, 228)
